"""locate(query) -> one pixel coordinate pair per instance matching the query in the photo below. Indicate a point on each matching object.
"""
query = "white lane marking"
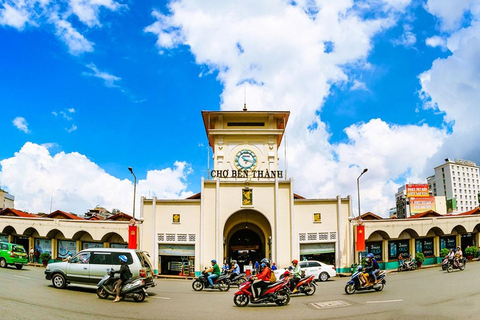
(385, 301)
(164, 298)
(22, 277)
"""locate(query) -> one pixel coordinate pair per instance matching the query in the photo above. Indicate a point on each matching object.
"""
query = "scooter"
(451, 265)
(237, 279)
(134, 288)
(445, 263)
(407, 265)
(305, 285)
(277, 292)
(354, 283)
(221, 283)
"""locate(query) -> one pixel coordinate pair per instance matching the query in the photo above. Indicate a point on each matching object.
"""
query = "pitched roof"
(58, 214)
(369, 216)
(17, 213)
(195, 196)
(429, 213)
(469, 213)
(120, 217)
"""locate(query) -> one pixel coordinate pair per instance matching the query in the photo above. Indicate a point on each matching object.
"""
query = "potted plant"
(45, 257)
(419, 258)
(471, 252)
(444, 252)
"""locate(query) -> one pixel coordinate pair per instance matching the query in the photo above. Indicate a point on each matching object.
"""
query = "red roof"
(120, 217)
(429, 213)
(469, 213)
(17, 213)
(369, 216)
(63, 215)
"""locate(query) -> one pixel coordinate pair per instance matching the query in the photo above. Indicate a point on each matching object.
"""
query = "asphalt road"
(421, 294)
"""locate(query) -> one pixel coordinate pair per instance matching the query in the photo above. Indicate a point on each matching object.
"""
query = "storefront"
(425, 245)
(376, 249)
(397, 248)
(176, 259)
(449, 242)
(323, 252)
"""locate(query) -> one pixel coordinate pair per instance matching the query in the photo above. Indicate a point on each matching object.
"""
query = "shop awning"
(317, 248)
(176, 250)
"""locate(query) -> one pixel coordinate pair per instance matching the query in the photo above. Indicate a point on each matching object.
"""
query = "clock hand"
(246, 159)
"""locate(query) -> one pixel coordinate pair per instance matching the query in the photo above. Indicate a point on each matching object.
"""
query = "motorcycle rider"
(125, 275)
(296, 275)
(235, 270)
(262, 279)
(372, 269)
(458, 256)
(215, 272)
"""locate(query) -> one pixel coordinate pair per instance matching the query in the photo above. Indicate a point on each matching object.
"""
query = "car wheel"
(323, 276)
(59, 281)
(3, 263)
(19, 266)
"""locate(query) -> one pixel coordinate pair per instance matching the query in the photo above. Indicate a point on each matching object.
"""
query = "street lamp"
(358, 190)
(134, 189)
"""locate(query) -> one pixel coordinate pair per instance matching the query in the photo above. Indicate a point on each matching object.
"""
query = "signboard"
(425, 246)
(176, 218)
(317, 248)
(118, 245)
(89, 245)
(360, 238)
(43, 245)
(176, 250)
(449, 242)
(317, 217)
(419, 205)
(247, 197)
(64, 247)
(417, 190)
(376, 249)
(395, 248)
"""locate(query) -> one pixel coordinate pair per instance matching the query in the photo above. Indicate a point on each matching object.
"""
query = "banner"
(419, 205)
(361, 238)
(132, 237)
(66, 246)
(417, 190)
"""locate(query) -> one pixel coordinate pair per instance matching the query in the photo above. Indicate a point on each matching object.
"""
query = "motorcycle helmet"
(214, 261)
(295, 261)
(360, 268)
(370, 255)
(123, 258)
(263, 265)
(265, 260)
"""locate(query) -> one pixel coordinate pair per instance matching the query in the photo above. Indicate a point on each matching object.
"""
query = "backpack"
(273, 279)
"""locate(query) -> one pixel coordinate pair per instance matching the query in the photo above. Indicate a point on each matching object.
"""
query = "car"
(12, 254)
(320, 270)
(90, 265)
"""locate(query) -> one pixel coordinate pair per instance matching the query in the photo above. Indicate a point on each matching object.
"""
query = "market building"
(247, 208)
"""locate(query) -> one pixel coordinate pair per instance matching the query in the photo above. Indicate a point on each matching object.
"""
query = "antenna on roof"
(244, 97)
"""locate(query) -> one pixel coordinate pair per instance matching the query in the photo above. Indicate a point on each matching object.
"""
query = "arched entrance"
(247, 235)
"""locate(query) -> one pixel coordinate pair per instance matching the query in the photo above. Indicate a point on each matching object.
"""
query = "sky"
(89, 88)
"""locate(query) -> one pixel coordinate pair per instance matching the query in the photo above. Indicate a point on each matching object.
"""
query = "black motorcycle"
(451, 265)
(221, 283)
(134, 288)
(354, 283)
(236, 279)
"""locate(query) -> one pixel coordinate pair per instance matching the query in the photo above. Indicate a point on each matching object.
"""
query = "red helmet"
(295, 261)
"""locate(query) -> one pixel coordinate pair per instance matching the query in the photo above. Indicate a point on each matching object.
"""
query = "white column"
(199, 264)
(338, 242)
(154, 235)
(294, 254)
(217, 218)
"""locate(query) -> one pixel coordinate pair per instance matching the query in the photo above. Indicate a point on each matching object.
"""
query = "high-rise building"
(6, 200)
(458, 181)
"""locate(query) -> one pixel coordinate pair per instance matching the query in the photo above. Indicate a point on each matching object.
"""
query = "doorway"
(246, 247)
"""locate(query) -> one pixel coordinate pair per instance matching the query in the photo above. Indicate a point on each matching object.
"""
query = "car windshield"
(18, 249)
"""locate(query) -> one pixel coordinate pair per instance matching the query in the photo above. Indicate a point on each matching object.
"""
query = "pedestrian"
(31, 255)
(274, 267)
(256, 267)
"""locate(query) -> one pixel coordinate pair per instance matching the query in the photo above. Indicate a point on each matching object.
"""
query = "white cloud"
(44, 13)
(359, 85)
(109, 79)
(71, 129)
(77, 184)
(408, 39)
(21, 124)
(451, 12)
(436, 41)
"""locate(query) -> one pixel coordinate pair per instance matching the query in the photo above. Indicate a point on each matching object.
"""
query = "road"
(421, 294)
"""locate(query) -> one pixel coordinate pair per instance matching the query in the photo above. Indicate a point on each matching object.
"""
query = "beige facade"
(6, 200)
(246, 209)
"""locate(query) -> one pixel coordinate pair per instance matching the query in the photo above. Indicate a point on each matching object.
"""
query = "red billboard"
(422, 204)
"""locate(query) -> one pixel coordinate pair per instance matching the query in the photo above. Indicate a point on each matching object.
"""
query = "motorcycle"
(134, 288)
(407, 265)
(221, 283)
(305, 285)
(277, 292)
(445, 263)
(354, 283)
(237, 279)
(450, 264)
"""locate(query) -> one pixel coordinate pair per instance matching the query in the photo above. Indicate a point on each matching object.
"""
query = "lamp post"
(358, 190)
(134, 189)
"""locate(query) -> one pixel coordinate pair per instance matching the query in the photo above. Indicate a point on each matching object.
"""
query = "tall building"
(458, 181)
(6, 200)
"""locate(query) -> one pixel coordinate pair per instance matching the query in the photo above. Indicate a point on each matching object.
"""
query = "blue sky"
(91, 87)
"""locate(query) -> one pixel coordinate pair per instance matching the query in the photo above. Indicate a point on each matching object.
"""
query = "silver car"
(90, 265)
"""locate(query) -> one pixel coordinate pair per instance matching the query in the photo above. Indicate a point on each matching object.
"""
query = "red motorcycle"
(277, 292)
(305, 285)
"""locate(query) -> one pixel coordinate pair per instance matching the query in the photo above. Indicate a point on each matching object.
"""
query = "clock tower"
(245, 143)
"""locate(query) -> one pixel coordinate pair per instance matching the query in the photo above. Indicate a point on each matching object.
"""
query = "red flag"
(361, 238)
(132, 237)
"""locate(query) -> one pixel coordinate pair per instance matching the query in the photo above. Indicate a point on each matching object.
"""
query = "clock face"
(245, 159)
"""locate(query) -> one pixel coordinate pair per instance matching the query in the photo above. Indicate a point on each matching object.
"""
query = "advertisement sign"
(66, 246)
(417, 190)
(89, 245)
(376, 249)
(419, 205)
(395, 248)
(448, 242)
(43, 245)
(176, 250)
(118, 245)
(425, 246)
(3, 238)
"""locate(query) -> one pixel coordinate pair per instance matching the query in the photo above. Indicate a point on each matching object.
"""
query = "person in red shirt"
(262, 279)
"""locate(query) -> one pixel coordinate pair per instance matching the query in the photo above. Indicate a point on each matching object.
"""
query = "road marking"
(164, 298)
(22, 277)
(329, 304)
(385, 301)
